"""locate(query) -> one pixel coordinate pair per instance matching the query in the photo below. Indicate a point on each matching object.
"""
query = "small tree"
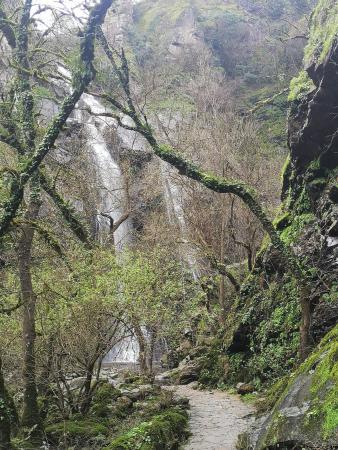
(159, 297)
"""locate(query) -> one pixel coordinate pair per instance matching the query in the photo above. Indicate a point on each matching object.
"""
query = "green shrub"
(163, 432)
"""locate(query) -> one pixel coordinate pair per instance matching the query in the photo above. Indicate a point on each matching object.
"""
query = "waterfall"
(126, 351)
(113, 198)
(174, 204)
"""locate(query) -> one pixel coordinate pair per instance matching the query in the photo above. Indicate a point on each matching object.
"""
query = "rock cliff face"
(305, 411)
(310, 181)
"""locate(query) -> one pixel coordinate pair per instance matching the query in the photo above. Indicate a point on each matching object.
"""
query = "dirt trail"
(216, 419)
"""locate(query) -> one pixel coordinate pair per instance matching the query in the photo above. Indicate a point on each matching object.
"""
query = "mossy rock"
(306, 413)
(103, 399)
(323, 31)
(163, 432)
(76, 432)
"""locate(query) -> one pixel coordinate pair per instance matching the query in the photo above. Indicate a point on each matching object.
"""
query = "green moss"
(286, 167)
(324, 388)
(290, 234)
(272, 395)
(75, 430)
(282, 221)
(323, 30)
(322, 415)
(300, 86)
(150, 17)
(163, 432)
(103, 398)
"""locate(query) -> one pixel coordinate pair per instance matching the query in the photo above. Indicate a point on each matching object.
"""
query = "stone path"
(216, 419)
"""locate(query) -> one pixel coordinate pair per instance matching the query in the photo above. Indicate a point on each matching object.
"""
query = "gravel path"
(216, 419)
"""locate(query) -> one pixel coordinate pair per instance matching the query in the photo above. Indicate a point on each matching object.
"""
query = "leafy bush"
(163, 432)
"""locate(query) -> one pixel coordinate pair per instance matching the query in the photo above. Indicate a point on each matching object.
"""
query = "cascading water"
(112, 188)
(174, 205)
(113, 199)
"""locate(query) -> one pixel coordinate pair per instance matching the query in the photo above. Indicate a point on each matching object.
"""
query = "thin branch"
(267, 101)
(66, 210)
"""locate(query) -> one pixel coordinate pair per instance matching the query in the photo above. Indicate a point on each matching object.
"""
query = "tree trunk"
(142, 350)
(150, 355)
(87, 391)
(5, 421)
(222, 278)
(31, 415)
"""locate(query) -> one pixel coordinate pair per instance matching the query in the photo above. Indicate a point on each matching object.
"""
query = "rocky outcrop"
(306, 415)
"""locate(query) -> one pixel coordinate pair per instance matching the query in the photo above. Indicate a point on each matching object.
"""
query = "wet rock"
(138, 393)
(188, 373)
(244, 388)
(165, 378)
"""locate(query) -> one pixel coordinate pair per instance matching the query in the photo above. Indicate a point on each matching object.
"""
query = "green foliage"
(212, 365)
(290, 234)
(75, 431)
(156, 293)
(300, 86)
(270, 318)
(163, 432)
(332, 295)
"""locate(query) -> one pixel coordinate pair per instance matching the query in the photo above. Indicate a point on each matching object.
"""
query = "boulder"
(306, 414)
(139, 392)
(244, 388)
(123, 403)
(165, 378)
(188, 373)
(194, 385)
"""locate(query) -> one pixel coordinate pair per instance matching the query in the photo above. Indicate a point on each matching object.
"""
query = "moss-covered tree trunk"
(30, 165)
(5, 422)
(87, 389)
(31, 415)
